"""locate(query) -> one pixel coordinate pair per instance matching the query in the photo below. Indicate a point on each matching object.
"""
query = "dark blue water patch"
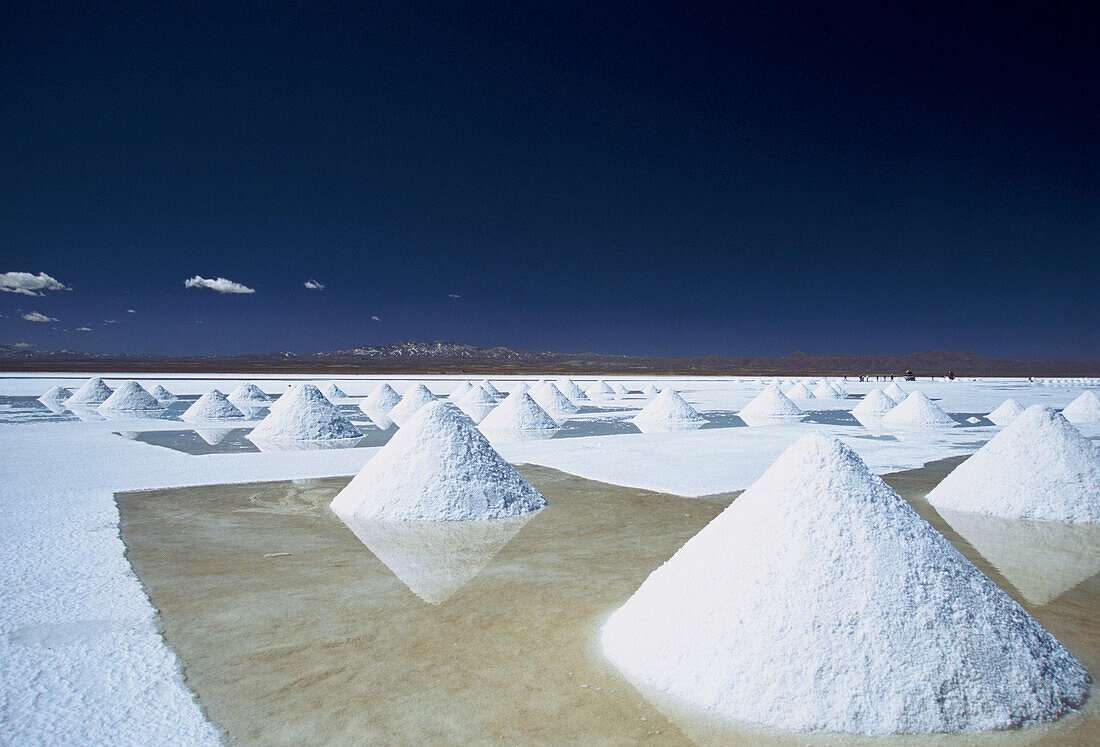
(832, 417)
(203, 441)
(578, 428)
(598, 409)
(961, 417)
(872, 437)
(722, 419)
(30, 410)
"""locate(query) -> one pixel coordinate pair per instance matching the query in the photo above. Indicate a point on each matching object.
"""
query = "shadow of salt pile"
(435, 559)
(1041, 559)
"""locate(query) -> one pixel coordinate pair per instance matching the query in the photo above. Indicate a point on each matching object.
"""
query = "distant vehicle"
(910, 377)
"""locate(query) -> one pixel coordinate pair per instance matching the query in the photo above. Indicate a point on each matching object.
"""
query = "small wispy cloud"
(221, 285)
(376, 319)
(130, 311)
(110, 321)
(314, 285)
(453, 295)
(83, 329)
(22, 345)
(34, 316)
(27, 284)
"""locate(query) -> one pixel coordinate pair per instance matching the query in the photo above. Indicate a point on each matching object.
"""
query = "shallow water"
(291, 630)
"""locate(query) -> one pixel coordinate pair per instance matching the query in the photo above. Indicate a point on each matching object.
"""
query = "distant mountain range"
(454, 357)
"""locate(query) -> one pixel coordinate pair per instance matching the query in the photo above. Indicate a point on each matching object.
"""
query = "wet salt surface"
(291, 629)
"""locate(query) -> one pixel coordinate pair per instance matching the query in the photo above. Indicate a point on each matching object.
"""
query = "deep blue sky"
(683, 178)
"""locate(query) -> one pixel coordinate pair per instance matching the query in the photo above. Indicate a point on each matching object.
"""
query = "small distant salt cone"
(620, 389)
(1009, 410)
(895, 392)
(414, 399)
(130, 396)
(1039, 467)
(248, 395)
(1084, 409)
(769, 406)
(460, 391)
(800, 391)
(820, 601)
(162, 394)
(600, 390)
(333, 393)
(550, 398)
(874, 405)
(518, 413)
(477, 403)
(521, 387)
(488, 386)
(381, 400)
(668, 412)
(570, 389)
(438, 467)
(212, 406)
(825, 390)
(651, 391)
(304, 414)
(917, 411)
(55, 395)
(93, 393)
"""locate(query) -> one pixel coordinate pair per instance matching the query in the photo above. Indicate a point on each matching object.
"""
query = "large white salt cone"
(437, 467)
(819, 600)
(1039, 467)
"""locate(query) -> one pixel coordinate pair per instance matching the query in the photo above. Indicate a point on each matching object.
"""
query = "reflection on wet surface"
(215, 440)
(293, 628)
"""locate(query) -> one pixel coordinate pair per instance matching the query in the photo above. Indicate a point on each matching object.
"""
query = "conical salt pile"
(771, 403)
(518, 413)
(414, 399)
(93, 392)
(460, 391)
(917, 411)
(304, 414)
(1039, 467)
(332, 392)
(55, 395)
(874, 405)
(800, 391)
(668, 412)
(825, 390)
(620, 389)
(488, 386)
(570, 389)
(162, 394)
(381, 400)
(477, 403)
(521, 387)
(839, 389)
(819, 600)
(248, 395)
(130, 396)
(600, 390)
(438, 467)
(651, 391)
(1009, 410)
(550, 398)
(212, 406)
(895, 392)
(1084, 409)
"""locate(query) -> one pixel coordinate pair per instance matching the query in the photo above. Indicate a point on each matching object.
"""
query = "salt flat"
(80, 657)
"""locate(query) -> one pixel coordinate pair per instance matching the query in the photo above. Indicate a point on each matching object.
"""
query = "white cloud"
(221, 285)
(110, 321)
(22, 345)
(376, 319)
(83, 329)
(453, 295)
(314, 285)
(34, 316)
(28, 284)
(130, 311)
